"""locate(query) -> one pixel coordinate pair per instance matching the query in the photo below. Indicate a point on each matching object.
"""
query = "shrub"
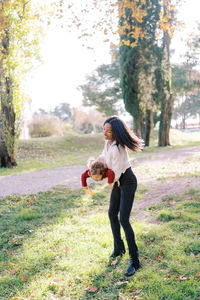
(46, 125)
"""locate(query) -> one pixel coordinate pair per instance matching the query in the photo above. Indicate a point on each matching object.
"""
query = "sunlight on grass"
(55, 245)
(45, 153)
(173, 167)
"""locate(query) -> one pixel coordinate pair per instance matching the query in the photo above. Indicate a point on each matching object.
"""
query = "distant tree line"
(63, 120)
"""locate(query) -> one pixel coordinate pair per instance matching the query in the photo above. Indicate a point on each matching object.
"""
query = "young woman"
(118, 137)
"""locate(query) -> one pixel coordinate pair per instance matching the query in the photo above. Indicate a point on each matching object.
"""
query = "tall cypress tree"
(138, 59)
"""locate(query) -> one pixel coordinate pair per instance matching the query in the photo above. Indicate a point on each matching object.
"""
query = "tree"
(88, 122)
(102, 89)
(168, 24)
(20, 31)
(185, 82)
(186, 91)
(63, 111)
(138, 21)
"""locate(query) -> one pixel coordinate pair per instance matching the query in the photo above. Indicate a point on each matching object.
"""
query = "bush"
(46, 125)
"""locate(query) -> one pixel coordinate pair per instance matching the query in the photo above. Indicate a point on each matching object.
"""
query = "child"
(97, 170)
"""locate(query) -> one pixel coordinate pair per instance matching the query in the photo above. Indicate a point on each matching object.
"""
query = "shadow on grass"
(111, 282)
(170, 258)
(34, 229)
(20, 218)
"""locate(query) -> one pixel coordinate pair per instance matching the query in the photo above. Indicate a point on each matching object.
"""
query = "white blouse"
(116, 158)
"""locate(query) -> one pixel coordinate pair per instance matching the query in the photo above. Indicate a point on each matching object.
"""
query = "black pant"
(121, 200)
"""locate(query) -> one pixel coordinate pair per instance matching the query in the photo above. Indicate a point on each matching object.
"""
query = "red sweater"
(108, 173)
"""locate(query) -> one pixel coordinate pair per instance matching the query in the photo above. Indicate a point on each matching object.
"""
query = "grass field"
(55, 245)
(45, 153)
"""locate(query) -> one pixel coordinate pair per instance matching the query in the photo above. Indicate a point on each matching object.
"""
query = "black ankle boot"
(117, 253)
(131, 268)
(119, 249)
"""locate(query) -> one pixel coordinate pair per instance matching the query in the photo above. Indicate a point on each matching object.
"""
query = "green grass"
(45, 153)
(55, 245)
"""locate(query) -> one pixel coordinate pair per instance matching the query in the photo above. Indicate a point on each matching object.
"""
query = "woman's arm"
(115, 162)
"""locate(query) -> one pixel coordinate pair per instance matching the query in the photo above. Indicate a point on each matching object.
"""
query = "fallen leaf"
(17, 243)
(91, 288)
(136, 298)
(9, 263)
(24, 277)
(114, 262)
(178, 213)
(136, 292)
(121, 297)
(198, 274)
(182, 277)
(159, 256)
(10, 252)
(14, 271)
(121, 282)
(67, 249)
(171, 203)
(56, 281)
(19, 199)
(78, 278)
(162, 252)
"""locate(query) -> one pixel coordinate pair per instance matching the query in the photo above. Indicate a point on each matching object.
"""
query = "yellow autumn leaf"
(127, 43)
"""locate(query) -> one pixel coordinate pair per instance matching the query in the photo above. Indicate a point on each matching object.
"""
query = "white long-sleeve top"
(116, 158)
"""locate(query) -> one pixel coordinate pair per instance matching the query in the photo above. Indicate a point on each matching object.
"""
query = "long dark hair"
(124, 135)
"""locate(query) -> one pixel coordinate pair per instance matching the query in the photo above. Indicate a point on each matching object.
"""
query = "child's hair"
(97, 168)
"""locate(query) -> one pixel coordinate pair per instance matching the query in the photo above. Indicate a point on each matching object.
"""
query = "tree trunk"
(165, 121)
(183, 120)
(148, 126)
(139, 125)
(167, 99)
(7, 134)
(7, 114)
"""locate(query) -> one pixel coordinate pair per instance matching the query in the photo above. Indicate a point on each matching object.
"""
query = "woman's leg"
(128, 188)
(114, 221)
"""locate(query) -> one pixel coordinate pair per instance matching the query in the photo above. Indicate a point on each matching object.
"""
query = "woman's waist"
(128, 176)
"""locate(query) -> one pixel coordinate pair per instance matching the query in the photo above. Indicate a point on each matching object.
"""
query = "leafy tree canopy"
(102, 88)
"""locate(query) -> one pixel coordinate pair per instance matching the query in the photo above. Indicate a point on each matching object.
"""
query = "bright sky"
(66, 63)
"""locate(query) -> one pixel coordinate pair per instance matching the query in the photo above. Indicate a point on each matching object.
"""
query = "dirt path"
(160, 190)
(34, 182)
